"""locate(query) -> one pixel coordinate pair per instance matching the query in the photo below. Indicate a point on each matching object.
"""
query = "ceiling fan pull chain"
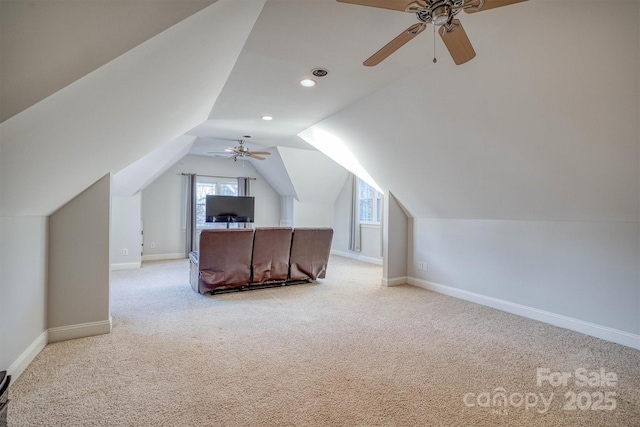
(434, 45)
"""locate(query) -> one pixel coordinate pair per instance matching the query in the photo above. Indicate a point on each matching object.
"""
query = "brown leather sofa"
(240, 259)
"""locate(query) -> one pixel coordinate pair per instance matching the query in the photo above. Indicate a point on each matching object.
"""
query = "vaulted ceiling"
(542, 124)
(46, 45)
(120, 112)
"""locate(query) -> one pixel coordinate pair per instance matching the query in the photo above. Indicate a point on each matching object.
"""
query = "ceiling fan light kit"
(440, 13)
(241, 151)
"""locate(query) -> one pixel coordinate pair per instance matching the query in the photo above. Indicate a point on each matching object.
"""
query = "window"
(370, 203)
(210, 187)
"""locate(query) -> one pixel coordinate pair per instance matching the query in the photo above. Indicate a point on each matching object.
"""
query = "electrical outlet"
(125, 252)
(420, 265)
(424, 266)
(152, 245)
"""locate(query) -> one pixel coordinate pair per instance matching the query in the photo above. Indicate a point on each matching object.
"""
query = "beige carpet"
(342, 352)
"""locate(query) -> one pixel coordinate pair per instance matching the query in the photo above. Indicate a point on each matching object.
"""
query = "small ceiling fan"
(241, 151)
(440, 13)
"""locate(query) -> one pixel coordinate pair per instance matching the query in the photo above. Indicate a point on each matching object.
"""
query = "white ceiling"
(290, 39)
(542, 124)
(47, 45)
(121, 112)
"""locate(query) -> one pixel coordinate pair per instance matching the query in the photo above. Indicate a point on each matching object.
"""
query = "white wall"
(23, 290)
(79, 267)
(309, 214)
(286, 211)
(395, 242)
(521, 168)
(342, 217)
(371, 241)
(163, 213)
(370, 235)
(163, 202)
(583, 270)
(126, 228)
(68, 141)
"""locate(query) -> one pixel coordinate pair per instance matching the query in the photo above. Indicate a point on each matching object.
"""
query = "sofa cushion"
(271, 247)
(310, 250)
(224, 259)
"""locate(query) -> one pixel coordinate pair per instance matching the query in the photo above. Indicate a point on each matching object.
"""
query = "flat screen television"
(230, 208)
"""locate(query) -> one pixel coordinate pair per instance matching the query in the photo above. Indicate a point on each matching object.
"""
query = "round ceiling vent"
(319, 72)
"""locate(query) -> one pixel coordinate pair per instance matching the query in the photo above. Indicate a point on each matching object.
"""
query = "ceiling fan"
(440, 13)
(242, 151)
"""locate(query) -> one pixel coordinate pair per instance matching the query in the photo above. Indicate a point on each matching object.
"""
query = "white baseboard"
(53, 335)
(82, 330)
(158, 257)
(396, 281)
(126, 265)
(352, 255)
(27, 356)
(603, 332)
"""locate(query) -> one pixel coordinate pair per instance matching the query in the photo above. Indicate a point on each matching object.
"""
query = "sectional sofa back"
(243, 257)
(224, 259)
(310, 249)
(270, 261)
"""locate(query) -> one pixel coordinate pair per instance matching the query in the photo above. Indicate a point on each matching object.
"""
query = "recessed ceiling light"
(308, 82)
(266, 118)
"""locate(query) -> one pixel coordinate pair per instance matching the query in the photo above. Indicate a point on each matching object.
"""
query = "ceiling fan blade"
(253, 156)
(400, 5)
(457, 43)
(492, 4)
(395, 44)
(264, 153)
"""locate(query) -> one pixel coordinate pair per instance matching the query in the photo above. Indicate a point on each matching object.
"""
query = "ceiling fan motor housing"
(438, 12)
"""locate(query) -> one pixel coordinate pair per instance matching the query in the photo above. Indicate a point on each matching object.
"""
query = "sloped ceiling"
(117, 114)
(542, 125)
(273, 169)
(307, 175)
(289, 40)
(139, 174)
(316, 177)
(46, 45)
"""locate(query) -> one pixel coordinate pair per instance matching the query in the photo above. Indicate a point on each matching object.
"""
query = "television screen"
(230, 208)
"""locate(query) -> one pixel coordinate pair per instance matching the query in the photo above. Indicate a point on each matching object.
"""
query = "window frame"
(376, 204)
(200, 201)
